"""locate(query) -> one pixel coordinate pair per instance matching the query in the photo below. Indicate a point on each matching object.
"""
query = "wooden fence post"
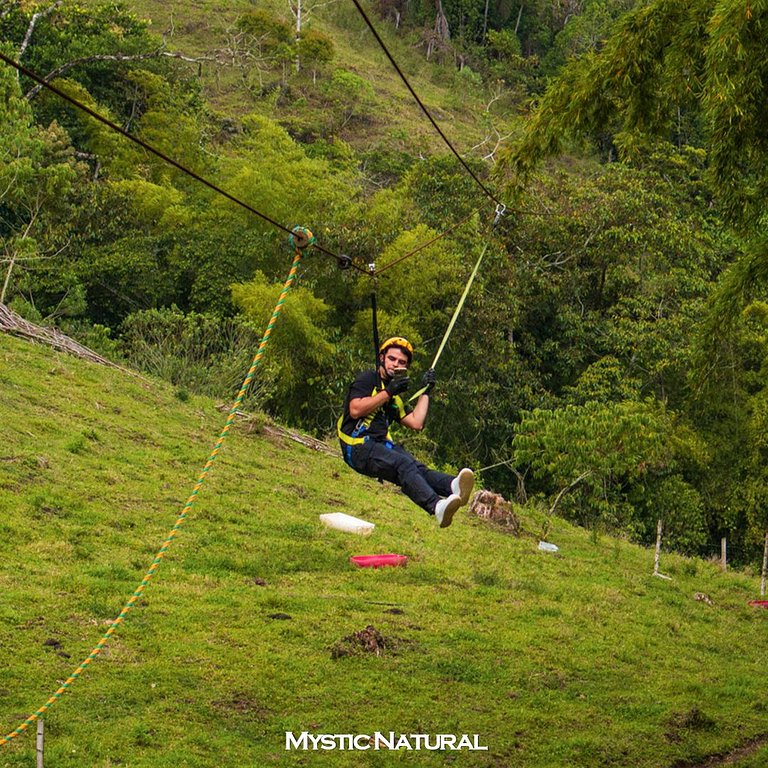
(659, 530)
(724, 553)
(765, 566)
(40, 742)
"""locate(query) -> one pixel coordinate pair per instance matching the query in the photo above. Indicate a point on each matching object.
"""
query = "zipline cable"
(450, 146)
(421, 104)
(158, 153)
(428, 243)
(300, 238)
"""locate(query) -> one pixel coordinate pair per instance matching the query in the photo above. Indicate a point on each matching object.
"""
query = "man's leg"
(396, 465)
(446, 485)
(439, 482)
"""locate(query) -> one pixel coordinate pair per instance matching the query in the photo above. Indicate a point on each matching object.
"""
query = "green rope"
(456, 313)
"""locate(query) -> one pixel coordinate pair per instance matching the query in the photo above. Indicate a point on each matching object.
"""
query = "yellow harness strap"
(359, 436)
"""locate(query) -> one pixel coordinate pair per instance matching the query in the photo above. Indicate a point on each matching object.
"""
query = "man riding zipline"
(373, 403)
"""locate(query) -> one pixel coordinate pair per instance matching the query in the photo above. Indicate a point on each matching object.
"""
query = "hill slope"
(206, 28)
(577, 659)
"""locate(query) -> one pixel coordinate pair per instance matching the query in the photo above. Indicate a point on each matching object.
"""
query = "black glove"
(428, 381)
(397, 386)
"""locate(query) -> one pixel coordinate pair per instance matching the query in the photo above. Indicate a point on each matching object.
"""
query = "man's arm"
(418, 416)
(360, 407)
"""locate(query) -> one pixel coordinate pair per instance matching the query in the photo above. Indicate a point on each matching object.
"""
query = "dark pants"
(394, 464)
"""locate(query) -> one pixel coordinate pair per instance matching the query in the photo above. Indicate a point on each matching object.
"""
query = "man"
(373, 403)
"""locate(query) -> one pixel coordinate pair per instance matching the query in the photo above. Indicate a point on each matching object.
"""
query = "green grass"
(581, 658)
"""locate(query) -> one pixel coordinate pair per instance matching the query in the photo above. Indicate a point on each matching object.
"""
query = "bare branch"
(12, 323)
(300, 11)
(33, 23)
(171, 31)
(11, 261)
(8, 7)
(59, 71)
(567, 488)
(499, 139)
(11, 182)
(191, 59)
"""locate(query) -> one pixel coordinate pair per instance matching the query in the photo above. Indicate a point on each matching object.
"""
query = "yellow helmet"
(400, 342)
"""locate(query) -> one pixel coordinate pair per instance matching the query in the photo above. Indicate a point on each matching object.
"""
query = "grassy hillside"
(581, 658)
(203, 27)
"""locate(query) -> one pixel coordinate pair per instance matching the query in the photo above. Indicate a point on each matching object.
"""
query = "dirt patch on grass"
(243, 705)
(368, 640)
(693, 719)
(730, 758)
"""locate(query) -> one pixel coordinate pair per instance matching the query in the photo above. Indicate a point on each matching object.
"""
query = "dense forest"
(610, 361)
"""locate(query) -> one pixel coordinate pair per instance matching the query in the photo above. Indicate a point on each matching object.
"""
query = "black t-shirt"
(375, 425)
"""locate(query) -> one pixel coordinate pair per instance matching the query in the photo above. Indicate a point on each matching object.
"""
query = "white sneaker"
(446, 508)
(462, 485)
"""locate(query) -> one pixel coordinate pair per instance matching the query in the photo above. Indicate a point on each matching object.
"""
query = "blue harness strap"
(346, 451)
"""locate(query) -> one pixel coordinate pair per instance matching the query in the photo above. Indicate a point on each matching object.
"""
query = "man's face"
(393, 359)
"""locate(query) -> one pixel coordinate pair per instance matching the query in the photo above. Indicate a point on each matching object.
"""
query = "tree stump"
(490, 506)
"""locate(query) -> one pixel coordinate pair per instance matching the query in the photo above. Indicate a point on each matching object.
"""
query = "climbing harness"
(360, 432)
(299, 238)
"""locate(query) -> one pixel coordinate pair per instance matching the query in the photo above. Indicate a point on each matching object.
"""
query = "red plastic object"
(377, 561)
(759, 603)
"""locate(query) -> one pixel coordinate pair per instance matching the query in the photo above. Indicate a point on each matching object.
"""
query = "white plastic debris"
(347, 523)
(545, 546)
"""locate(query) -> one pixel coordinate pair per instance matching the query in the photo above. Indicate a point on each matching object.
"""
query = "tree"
(593, 301)
(200, 352)
(259, 42)
(315, 49)
(662, 60)
(684, 73)
(350, 97)
(441, 33)
(598, 460)
(301, 12)
(38, 173)
(442, 190)
(730, 409)
(301, 379)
